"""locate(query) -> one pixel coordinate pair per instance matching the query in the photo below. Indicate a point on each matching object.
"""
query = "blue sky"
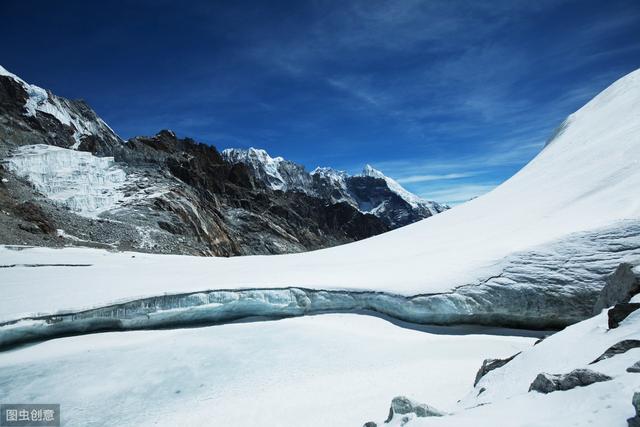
(448, 97)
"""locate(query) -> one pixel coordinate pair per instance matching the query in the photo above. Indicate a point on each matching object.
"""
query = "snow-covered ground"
(543, 240)
(329, 370)
(506, 400)
(586, 178)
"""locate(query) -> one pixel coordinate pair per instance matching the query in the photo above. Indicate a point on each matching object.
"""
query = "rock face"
(635, 401)
(548, 383)
(401, 405)
(369, 192)
(32, 115)
(635, 368)
(619, 312)
(68, 179)
(489, 365)
(620, 287)
(618, 348)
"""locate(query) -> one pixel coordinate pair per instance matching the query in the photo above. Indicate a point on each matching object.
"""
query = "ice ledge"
(223, 306)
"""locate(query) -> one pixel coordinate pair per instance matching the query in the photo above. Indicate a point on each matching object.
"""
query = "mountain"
(370, 192)
(532, 253)
(536, 252)
(66, 179)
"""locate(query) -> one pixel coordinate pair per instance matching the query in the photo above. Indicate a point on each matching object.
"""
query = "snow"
(507, 401)
(408, 197)
(40, 100)
(329, 370)
(86, 184)
(557, 211)
(254, 156)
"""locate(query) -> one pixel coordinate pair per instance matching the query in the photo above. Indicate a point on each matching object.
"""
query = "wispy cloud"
(459, 193)
(428, 178)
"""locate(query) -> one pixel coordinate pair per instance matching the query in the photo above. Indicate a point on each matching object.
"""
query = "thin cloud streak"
(428, 178)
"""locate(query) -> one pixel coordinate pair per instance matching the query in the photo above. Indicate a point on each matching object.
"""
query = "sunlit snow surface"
(506, 400)
(587, 177)
(329, 370)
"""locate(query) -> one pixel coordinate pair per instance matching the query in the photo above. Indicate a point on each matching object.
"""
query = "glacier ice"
(549, 287)
(86, 184)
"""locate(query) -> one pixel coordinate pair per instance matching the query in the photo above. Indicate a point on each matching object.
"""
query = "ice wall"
(86, 184)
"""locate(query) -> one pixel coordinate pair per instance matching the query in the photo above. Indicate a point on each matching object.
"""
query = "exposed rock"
(635, 401)
(370, 424)
(620, 287)
(635, 368)
(489, 365)
(171, 195)
(369, 192)
(539, 340)
(619, 312)
(618, 348)
(548, 383)
(401, 405)
(31, 212)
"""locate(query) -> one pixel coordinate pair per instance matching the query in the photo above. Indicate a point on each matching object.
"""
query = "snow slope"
(329, 370)
(582, 188)
(405, 195)
(507, 401)
(41, 100)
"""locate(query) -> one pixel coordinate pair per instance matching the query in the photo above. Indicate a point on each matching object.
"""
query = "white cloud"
(434, 177)
(457, 194)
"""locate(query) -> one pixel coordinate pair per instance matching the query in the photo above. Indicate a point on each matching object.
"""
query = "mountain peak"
(369, 170)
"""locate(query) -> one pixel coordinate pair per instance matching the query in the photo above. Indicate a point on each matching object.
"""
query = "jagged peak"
(251, 152)
(369, 170)
(328, 171)
(75, 114)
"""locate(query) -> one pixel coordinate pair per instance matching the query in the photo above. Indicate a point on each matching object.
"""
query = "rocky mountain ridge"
(370, 191)
(67, 179)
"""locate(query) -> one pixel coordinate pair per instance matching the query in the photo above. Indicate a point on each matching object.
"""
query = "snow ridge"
(44, 101)
(328, 183)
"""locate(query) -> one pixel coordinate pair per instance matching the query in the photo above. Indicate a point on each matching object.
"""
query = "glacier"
(274, 373)
(533, 253)
(551, 286)
(84, 183)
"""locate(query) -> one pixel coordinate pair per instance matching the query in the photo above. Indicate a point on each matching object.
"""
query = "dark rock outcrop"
(401, 405)
(180, 196)
(489, 365)
(548, 383)
(369, 192)
(635, 368)
(620, 287)
(618, 348)
(635, 401)
(619, 312)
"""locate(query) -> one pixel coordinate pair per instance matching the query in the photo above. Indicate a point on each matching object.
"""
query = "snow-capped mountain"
(370, 191)
(67, 179)
(32, 115)
(532, 253)
(275, 172)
